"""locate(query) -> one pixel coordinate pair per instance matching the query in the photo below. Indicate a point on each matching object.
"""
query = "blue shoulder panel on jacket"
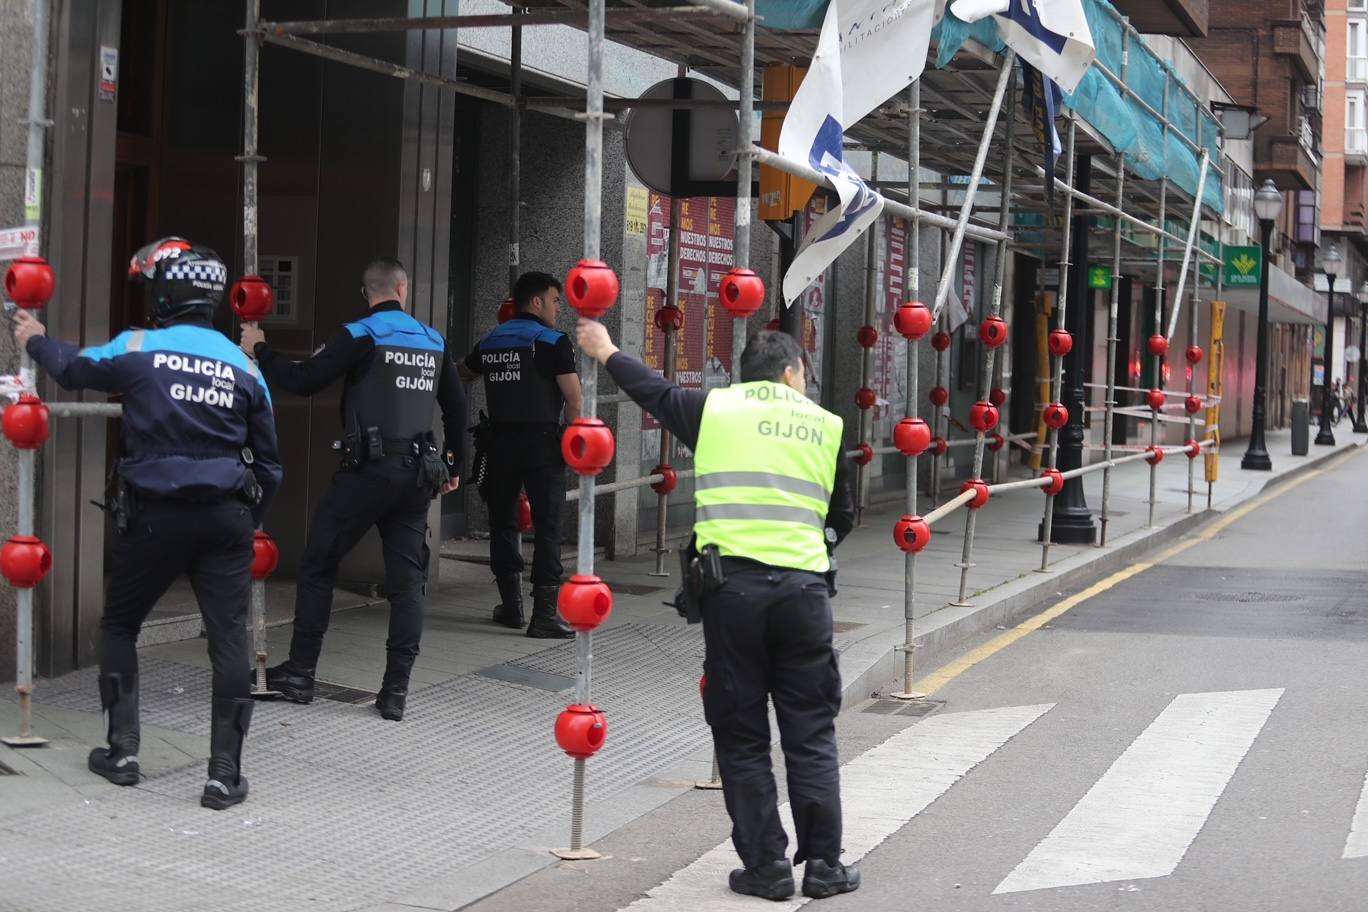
(112, 349)
(517, 333)
(384, 326)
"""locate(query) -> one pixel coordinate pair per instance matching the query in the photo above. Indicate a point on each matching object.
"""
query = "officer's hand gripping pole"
(252, 299)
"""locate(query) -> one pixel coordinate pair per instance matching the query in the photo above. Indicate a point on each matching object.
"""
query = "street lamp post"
(1332, 264)
(1267, 206)
(1360, 425)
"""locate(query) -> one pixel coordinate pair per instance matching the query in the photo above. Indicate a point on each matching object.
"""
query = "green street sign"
(1099, 277)
(1242, 267)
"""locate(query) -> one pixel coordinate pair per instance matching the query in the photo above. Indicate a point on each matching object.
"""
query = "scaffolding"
(945, 114)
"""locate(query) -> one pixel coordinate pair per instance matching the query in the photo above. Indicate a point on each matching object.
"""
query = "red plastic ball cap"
(25, 561)
(866, 455)
(1194, 354)
(938, 395)
(507, 310)
(265, 555)
(1194, 449)
(983, 416)
(867, 336)
(1056, 481)
(865, 397)
(585, 602)
(1192, 404)
(252, 298)
(981, 492)
(742, 292)
(998, 397)
(912, 534)
(1060, 342)
(524, 514)
(26, 423)
(1156, 455)
(940, 341)
(702, 684)
(912, 436)
(939, 446)
(581, 730)
(669, 317)
(912, 320)
(1156, 398)
(588, 446)
(993, 332)
(592, 288)
(30, 282)
(1056, 415)
(996, 442)
(668, 482)
(1158, 345)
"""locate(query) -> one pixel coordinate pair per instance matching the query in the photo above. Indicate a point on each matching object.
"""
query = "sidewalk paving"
(349, 812)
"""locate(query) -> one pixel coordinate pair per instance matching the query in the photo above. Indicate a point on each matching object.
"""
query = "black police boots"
(293, 681)
(509, 611)
(227, 786)
(772, 881)
(389, 702)
(119, 762)
(547, 624)
(821, 880)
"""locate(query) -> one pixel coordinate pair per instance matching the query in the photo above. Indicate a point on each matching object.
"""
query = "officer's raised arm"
(304, 378)
(680, 410)
(70, 365)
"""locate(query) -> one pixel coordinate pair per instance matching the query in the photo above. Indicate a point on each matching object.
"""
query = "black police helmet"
(180, 278)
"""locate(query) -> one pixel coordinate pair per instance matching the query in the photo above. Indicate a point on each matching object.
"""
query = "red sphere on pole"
(252, 298)
(939, 446)
(940, 341)
(981, 492)
(742, 292)
(865, 456)
(668, 482)
(993, 331)
(592, 288)
(1158, 345)
(1060, 342)
(1194, 449)
(912, 320)
(865, 397)
(1056, 481)
(1055, 415)
(585, 602)
(997, 397)
(507, 310)
(25, 561)
(912, 436)
(1156, 398)
(588, 446)
(911, 534)
(265, 555)
(581, 730)
(1156, 455)
(26, 423)
(1194, 354)
(668, 318)
(983, 416)
(30, 283)
(867, 336)
(996, 442)
(1192, 405)
(938, 395)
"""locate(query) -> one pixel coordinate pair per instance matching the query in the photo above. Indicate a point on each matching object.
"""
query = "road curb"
(874, 664)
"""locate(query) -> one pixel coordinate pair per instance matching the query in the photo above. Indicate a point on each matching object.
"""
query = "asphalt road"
(1194, 736)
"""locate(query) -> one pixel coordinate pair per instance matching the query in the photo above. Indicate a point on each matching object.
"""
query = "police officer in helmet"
(196, 471)
(771, 499)
(530, 380)
(395, 370)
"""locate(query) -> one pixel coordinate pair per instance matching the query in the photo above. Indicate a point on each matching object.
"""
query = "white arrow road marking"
(881, 790)
(1140, 817)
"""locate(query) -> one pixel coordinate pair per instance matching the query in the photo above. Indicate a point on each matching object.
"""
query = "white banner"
(1050, 35)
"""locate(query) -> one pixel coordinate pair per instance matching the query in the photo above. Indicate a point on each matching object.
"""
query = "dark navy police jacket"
(191, 402)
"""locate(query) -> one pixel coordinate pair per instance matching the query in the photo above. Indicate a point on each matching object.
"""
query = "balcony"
(1356, 146)
(1356, 217)
(1356, 70)
(1293, 38)
(1288, 162)
(1183, 18)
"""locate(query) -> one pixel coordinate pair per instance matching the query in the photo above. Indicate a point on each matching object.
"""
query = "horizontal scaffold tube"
(628, 484)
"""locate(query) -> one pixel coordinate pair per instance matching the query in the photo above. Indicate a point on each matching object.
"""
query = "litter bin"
(1301, 426)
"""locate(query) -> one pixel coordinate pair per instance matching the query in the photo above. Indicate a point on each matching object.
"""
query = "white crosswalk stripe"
(1356, 846)
(1139, 819)
(881, 790)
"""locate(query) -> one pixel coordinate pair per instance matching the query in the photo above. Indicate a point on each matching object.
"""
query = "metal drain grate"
(638, 588)
(527, 677)
(340, 694)
(1248, 597)
(886, 706)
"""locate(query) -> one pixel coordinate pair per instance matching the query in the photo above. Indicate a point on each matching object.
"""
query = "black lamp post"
(1360, 425)
(1332, 264)
(1267, 205)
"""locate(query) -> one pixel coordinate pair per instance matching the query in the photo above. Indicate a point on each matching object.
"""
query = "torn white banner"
(1050, 35)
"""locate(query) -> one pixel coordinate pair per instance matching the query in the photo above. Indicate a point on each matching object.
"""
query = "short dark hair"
(531, 284)
(382, 276)
(767, 354)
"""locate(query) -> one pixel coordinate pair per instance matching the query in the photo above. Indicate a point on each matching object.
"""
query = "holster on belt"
(482, 433)
(701, 575)
(120, 502)
(432, 465)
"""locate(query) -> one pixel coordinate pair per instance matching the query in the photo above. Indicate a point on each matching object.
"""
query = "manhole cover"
(340, 694)
(637, 588)
(1248, 597)
(527, 677)
(887, 706)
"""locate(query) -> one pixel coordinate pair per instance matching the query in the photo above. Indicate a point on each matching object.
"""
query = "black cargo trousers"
(768, 635)
(382, 493)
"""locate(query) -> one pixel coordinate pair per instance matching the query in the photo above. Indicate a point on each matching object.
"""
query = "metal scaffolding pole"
(593, 224)
(1157, 360)
(910, 409)
(1057, 367)
(990, 352)
(940, 367)
(515, 112)
(27, 492)
(671, 356)
(744, 166)
(1112, 340)
(1192, 386)
(871, 299)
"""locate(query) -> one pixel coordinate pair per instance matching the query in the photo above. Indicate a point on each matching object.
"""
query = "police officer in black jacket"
(396, 370)
(196, 470)
(529, 374)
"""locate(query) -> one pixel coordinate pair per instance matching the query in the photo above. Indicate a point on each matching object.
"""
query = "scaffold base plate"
(708, 785)
(576, 854)
(24, 741)
(910, 696)
(962, 603)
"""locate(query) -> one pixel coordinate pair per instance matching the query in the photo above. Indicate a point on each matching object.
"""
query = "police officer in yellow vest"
(772, 497)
